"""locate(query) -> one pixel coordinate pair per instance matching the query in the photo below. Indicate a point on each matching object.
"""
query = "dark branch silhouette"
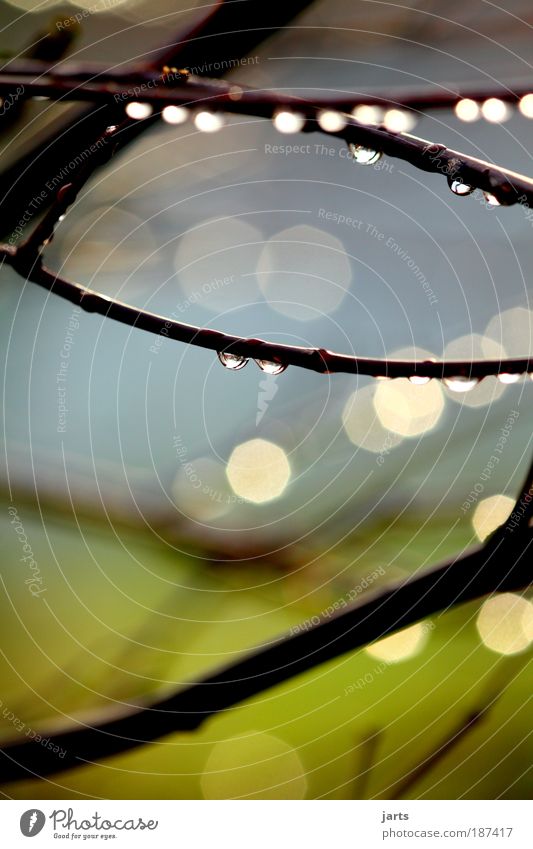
(26, 259)
(503, 563)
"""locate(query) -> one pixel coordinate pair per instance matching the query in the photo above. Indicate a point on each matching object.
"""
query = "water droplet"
(460, 188)
(461, 383)
(508, 378)
(271, 367)
(418, 379)
(232, 361)
(364, 155)
(491, 199)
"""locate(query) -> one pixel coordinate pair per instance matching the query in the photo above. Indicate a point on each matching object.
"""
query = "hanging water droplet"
(491, 199)
(460, 188)
(271, 367)
(460, 383)
(232, 361)
(418, 380)
(364, 155)
(504, 377)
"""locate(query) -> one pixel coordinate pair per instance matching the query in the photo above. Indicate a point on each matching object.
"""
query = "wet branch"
(503, 564)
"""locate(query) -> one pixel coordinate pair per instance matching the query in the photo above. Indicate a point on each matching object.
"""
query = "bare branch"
(503, 564)
(27, 261)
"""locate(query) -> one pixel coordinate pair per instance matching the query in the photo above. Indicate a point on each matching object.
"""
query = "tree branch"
(26, 259)
(503, 564)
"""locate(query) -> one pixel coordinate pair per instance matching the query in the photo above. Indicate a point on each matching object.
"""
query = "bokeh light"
(467, 110)
(208, 122)
(331, 121)
(408, 409)
(175, 114)
(108, 240)
(288, 122)
(258, 470)
(139, 111)
(99, 6)
(362, 425)
(34, 5)
(206, 260)
(304, 272)
(258, 766)
(526, 105)
(505, 623)
(200, 490)
(495, 110)
(513, 329)
(400, 646)
(490, 513)
(368, 114)
(399, 121)
(476, 347)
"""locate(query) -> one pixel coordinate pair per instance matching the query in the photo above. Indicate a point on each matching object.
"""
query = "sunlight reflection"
(490, 513)
(258, 470)
(400, 646)
(257, 766)
(505, 623)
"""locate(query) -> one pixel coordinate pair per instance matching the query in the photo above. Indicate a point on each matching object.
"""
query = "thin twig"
(315, 359)
(367, 758)
(26, 259)
(100, 84)
(506, 186)
(494, 691)
(503, 563)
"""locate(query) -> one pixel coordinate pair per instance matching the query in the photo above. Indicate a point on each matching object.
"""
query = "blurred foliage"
(124, 615)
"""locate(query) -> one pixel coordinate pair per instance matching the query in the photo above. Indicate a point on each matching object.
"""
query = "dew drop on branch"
(460, 188)
(364, 155)
(504, 377)
(271, 367)
(232, 361)
(460, 383)
(491, 199)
